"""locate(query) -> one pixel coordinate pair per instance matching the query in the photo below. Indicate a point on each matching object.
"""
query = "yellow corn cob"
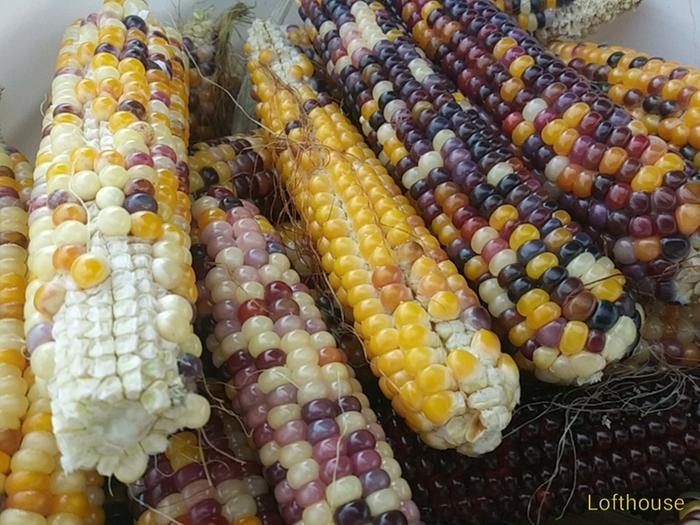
(36, 490)
(110, 308)
(425, 335)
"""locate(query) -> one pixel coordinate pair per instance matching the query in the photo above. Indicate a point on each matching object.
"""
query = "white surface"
(30, 33)
(666, 28)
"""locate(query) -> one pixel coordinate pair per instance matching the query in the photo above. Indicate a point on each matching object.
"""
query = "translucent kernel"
(543, 314)
(573, 338)
(531, 300)
(435, 378)
(146, 225)
(410, 312)
(444, 306)
(523, 233)
(89, 270)
(64, 256)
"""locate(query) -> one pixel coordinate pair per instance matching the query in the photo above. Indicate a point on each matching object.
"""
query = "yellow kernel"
(419, 358)
(531, 300)
(573, 338)
(444, 306)
(390, 362)
(462, 363)
(410, 312)
(486, 345)
(89, 270)
(543, 314)
(438, 407)
(522, 234)
(411, 395)
(540, 264)
(520, 334)
(435, 378)
(413, 335)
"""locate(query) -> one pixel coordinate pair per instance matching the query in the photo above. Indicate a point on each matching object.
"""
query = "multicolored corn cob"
(671, 333)
(200, 36)
(662, 94)
(622, 184)
(321, 446)
(35, 490)
(532, 14)
(555, 458)
(213, 478)
(561, 448)
(558, 300)
(110, 311)
(427, 337)
(15, 185)
(237, 162)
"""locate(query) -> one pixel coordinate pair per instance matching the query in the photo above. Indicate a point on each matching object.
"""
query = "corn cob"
(532, 14)
(659, 93)
(581, 17)
(670, 332)
(214, 479)
(321, 446)
(35, 490)
(557, 18)
(239, 163)
(489, 241)
(650, 448)
(647, 451)
(200, 36)
(618, 181)
(424, 330)
(110, 310)
(15, 183)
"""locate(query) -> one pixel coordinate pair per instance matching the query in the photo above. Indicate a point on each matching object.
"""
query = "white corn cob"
(111, 307)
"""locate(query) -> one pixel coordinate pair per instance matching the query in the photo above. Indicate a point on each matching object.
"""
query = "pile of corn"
(560, 301)
(635, 196)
